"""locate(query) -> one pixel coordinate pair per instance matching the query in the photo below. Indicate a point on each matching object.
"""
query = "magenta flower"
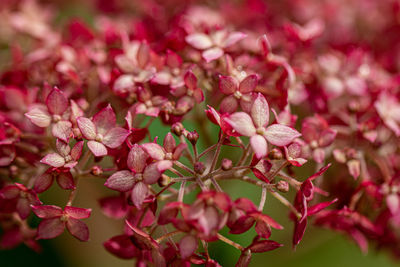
(21, 197)
(243, 216)
(54, 114)
(255, 127)
(317, 133)
(102, 132)
(66, 157)
(214, 44)
(168, 153)
(55, 219)
(237, 93)
(139, 176)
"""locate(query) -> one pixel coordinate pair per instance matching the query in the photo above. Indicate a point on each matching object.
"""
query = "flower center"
(168, 156)
(175, 71)
(99, 138)
(56, 118)
(260, 131)
(138, 177)
(67, 158)
(237, 94)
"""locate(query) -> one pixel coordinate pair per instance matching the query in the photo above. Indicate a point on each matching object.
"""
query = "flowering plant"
(252, 91)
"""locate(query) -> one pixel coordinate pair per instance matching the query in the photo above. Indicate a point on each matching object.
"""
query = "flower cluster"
(285, 84)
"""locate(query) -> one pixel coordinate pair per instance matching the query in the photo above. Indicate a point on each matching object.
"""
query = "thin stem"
(216, 185)
(167, 235)
(196, 156)
(165, 188)
(216, 154)
(263, 199)
(229, 242)
(181, 191)
(272, 175)
(285, 202)
(244, 155)
(184, 167)
(207, 150)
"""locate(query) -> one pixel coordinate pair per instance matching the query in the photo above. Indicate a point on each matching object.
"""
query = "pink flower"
(139, 176)
(52, 114)
(66, 157)
(167, 154)
(213, 45)
(243, 216)
(237, 92)
(55, 219)
(102, 132)
(21, 197)
(255, 127)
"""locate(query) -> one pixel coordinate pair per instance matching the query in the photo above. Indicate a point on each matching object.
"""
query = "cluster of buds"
(80, 102)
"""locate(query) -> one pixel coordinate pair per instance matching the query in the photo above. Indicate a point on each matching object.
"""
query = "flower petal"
(115, 137)
(227, 84)
(259, 145)
(66, 181)
(54, 160)
(43, 182)
(47, 211)
(233, 38)
(151, 173)
(264, 246)
(56, 102)
(50, 228)
(39, 116)
(199, 40)
(121, 181)
(77, 151)
(104, 120)
(139, 193)
(62, 148)
(280, 135)
(88, 129)
(242, 123)
(77, 213)
(212, 54)
(187, 246)
(260, 111)
(248, 84)
(137, 159)
(98, 149)
(62, 130)
(78, 229)
(154, 150)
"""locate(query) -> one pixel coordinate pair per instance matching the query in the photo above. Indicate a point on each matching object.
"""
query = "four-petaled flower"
(213, 45)
(55, 219)
(54, 114)
(255, 127)
(102, 131)
(139, 176)
(237, 93)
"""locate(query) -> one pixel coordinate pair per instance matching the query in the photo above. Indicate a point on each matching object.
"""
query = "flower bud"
(282, 186)
(177, 128)
(193, 137)
(275, 154)
(164, 180)
(199, 167)
(226, 164)
(96, 170)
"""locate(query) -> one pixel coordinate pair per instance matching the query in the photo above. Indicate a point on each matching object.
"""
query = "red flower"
(102, 132)
(55, 219)
(255, 126)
